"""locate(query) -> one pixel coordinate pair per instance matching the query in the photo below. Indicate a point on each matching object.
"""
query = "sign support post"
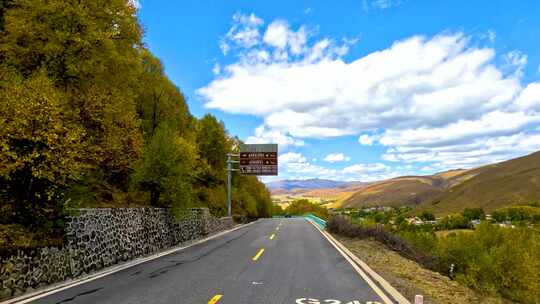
(255, 159)
(230, 161)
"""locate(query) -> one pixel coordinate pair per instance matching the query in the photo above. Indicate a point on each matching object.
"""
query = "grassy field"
(445, 233)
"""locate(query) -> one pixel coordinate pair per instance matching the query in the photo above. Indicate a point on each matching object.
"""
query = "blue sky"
(360, 90)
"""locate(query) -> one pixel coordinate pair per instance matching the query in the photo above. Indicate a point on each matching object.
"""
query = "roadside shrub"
(304, 206)
(341, 225)
(495, 259)
(491, 259)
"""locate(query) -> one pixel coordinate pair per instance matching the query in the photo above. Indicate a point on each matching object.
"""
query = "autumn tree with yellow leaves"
(89, 118)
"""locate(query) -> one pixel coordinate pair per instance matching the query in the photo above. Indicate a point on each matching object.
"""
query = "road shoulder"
(410, 278)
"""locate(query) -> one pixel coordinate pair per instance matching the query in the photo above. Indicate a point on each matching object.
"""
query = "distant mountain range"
(516, 181)
(290, 185)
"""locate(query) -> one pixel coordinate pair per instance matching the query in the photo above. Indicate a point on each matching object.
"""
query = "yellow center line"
(277, 228)
(272, 236)
(215, 299)
(258, 255)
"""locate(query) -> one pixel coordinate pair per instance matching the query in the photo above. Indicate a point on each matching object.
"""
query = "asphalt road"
(296, 265)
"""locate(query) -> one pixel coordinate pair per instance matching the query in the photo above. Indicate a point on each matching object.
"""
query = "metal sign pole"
(229, 180)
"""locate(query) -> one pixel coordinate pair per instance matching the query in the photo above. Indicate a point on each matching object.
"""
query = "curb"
(368, 274)
(26, 298)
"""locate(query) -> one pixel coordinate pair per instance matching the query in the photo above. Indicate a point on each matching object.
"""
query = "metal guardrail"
(317, 220)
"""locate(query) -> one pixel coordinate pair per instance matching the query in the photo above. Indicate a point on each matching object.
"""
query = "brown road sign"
(259, 159)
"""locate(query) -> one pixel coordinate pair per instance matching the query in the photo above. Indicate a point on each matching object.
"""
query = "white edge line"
(72, 283)
(356, 267)
(389, 288)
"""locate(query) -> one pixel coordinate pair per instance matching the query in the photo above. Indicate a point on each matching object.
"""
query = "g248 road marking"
(330, 301)
(215, 299)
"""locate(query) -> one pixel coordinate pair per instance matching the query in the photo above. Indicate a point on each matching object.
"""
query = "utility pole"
(230, 169)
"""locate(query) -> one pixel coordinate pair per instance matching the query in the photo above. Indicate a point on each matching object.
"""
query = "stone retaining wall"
(97, 238)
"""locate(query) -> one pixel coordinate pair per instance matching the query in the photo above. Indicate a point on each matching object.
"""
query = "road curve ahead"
(270, 261)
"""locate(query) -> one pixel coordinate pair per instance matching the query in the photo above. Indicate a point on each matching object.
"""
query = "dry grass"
(444, 233)
(410, 278)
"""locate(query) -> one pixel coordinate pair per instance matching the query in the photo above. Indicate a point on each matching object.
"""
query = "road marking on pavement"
(356, 267)
(215, 299)
(258, 255)
(272, 236)
(277, 228)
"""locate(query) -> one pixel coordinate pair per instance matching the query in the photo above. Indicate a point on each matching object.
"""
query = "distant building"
(475, 222)
(415, 221)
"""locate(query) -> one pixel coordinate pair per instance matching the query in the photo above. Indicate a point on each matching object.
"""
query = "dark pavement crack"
(165, 269)
(80, 294)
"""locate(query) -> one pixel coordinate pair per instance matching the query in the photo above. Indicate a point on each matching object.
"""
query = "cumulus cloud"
(292, 157)
(296, 166)
(367, 140)
(244, 32)
(265, 136)
(515, 62)
(336, 157)
(529, 99)
(417, 81)
(440, 100)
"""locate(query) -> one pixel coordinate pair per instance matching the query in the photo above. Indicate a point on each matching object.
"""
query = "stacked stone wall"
(98, 238)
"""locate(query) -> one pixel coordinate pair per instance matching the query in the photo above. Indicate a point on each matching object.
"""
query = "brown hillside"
(515, 181)
(401, 191)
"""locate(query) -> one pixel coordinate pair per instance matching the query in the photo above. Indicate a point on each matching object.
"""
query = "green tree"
(213, 143)
(455, 221)
(427, 216)
(304, 206)
(90, 52)
(160, 101)
(474, 214)
(499, 216)
(166, 169)
(39, 149)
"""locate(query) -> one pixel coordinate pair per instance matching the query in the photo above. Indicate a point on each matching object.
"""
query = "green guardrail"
(317, 220)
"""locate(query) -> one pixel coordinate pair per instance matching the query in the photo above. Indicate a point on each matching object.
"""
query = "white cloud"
(529, 99)
(279, 35)
(296, 166)
(380, 4)
(276, 34)
(477, 152)
(292, 157)
(437, 100)
(243, 33)
(493, 124)
(265, 136)
(336, 157)
(367, 140)
(415, 82)
(515, 62)
(366, 168)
